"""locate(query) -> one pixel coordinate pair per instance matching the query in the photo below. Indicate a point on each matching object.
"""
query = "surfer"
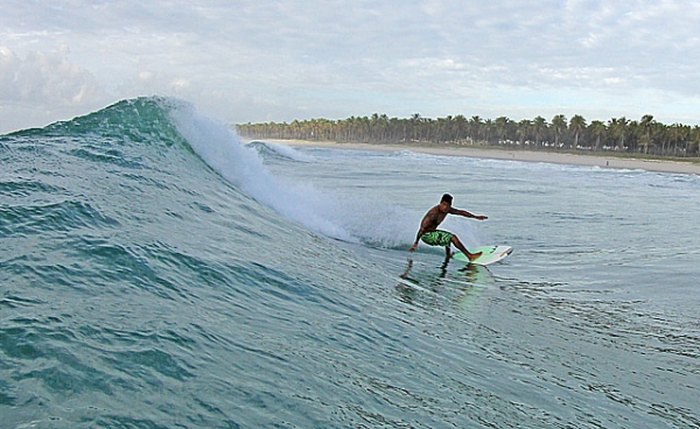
(432, 236)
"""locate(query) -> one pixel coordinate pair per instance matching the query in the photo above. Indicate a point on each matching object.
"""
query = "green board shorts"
(437, 238)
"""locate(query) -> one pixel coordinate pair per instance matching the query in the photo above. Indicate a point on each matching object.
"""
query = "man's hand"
(481, 217)
(413, 248)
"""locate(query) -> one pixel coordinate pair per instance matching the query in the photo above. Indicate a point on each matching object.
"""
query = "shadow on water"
(430, 286)
(571, 354)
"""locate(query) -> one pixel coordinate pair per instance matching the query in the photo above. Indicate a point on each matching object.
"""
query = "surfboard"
(489, 255)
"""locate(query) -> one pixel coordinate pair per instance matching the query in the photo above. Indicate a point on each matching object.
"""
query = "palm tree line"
(646, 136)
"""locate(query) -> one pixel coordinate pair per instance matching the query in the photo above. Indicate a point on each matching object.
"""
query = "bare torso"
(432, 219)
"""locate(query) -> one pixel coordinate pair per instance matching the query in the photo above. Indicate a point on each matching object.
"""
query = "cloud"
(46, 79)
(256, 60)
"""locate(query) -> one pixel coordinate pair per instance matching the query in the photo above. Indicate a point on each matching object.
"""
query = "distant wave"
(278, 151)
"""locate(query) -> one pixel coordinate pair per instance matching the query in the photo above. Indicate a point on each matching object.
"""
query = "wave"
(336, 214)
(223, 151)
(140, 120)
(125, 128)
(279, 152)
(166, 121)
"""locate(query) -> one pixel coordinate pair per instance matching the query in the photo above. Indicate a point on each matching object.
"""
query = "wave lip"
(222, 150)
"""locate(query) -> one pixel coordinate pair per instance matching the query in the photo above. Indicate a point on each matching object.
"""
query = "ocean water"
(157, 272)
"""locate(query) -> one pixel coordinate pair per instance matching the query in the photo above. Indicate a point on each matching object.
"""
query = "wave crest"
(138, 120)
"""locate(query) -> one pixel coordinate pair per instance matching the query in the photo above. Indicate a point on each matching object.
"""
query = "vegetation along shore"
(646, 138)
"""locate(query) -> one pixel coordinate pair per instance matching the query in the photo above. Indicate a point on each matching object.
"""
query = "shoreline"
(602, 161)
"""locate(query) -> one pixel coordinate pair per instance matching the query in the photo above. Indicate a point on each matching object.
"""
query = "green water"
(156, 273)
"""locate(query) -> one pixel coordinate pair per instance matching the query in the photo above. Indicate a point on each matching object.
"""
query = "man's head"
(446, 203)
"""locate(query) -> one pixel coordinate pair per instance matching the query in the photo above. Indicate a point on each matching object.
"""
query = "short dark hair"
(447, 198)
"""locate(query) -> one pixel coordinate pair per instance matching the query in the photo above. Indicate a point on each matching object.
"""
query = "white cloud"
(44, 78)
(44, 85)
(261, 60)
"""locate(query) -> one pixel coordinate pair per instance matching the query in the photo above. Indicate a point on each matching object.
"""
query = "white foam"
(337, 213)
(222, 150)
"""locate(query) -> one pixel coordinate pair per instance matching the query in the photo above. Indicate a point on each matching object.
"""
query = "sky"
(262, 60)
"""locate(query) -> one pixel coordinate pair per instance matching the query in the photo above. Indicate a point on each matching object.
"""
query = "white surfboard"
(489, 254)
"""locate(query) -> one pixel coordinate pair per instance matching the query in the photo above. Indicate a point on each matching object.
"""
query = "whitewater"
(157, 271)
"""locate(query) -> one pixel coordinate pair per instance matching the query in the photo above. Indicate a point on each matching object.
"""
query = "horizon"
(468, 117)
(334, 59)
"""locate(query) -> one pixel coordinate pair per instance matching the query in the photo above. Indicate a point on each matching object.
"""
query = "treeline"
(646, 136)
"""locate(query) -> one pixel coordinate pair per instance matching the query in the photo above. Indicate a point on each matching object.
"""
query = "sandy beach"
(665, 166)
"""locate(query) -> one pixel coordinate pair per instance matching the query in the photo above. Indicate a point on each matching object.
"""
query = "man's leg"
(458, 244)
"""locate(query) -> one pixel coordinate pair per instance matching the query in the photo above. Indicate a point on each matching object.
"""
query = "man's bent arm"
(421, 231)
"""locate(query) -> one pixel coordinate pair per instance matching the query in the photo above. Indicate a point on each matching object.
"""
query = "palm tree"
(576, 125)
(476, 125)
(598, 129)
(539, 126)
(680, 138)
(415, 123)
(489, 127)
(695, 141)
(647, 123)
(502, 124)
(618, 127)
(523, 131)
(558, 125)
(461, 128)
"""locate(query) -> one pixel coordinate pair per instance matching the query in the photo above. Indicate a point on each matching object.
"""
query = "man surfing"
(432, 236)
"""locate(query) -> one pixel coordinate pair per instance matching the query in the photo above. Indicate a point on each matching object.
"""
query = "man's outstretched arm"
(467, 214)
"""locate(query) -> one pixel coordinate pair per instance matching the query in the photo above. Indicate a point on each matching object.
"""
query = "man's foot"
(473, 256)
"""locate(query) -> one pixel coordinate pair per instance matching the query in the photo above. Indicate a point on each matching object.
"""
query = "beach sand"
(665, 166)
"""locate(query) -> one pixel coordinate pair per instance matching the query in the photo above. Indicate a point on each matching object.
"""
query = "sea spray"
(340, 214)
(223, 151)
(376, 219)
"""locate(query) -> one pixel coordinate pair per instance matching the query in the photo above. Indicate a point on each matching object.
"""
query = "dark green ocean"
(157, 272)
